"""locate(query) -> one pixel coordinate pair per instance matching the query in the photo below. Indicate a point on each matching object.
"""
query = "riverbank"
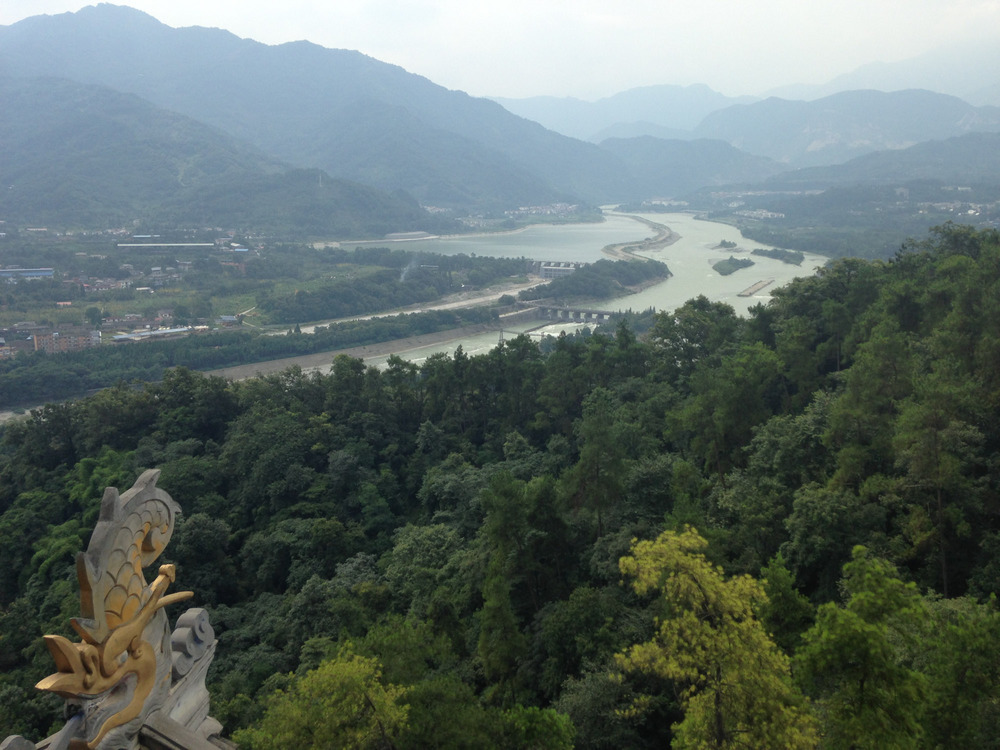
(692, 250)
(322, 360)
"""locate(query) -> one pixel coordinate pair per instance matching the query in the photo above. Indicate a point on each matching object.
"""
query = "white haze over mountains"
(592, 49)
(970, 71)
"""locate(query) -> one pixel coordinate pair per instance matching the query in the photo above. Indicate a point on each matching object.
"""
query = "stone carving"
(129, 672)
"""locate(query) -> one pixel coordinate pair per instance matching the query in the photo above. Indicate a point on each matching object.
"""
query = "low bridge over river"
(557, 312)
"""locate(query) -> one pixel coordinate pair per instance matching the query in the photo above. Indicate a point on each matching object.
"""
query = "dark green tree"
(852, 660)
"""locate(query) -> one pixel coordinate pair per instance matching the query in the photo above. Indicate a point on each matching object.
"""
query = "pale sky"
(591, 48)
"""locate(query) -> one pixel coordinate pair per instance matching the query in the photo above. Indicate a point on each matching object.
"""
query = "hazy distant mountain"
(668, 168)
(309, 105)
(972, 159)
(441, 168)
(970, 71)
(839, 127)
(987, 95)
(647, 110)
(639, 129)
(86, 156)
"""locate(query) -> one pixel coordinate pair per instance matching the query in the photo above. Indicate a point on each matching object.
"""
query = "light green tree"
(734, 682)
(342, 704)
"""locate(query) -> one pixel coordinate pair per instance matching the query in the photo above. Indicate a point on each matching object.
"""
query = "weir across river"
(554, 313)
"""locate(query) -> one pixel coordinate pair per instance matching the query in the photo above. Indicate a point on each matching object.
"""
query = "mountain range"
(337, 110)
(972, 159)
(827, 130)
(81, 155)
(198, 111)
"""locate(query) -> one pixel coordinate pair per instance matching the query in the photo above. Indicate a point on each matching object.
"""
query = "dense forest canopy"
(777, 531)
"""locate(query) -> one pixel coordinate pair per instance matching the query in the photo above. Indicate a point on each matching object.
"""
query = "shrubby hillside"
(775, 532)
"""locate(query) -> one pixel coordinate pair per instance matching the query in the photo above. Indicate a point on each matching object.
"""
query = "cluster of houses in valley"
(30, 336)
(33, 337)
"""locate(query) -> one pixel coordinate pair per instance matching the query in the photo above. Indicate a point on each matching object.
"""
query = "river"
(690, 259)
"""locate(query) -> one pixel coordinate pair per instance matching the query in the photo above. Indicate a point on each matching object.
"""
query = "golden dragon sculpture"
(122, 669)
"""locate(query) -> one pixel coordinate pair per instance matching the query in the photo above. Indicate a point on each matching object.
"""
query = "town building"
(66, 340)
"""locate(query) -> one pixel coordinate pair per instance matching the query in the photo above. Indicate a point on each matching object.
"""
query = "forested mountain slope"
(972, 159)
(85, 156)
(455, 535)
